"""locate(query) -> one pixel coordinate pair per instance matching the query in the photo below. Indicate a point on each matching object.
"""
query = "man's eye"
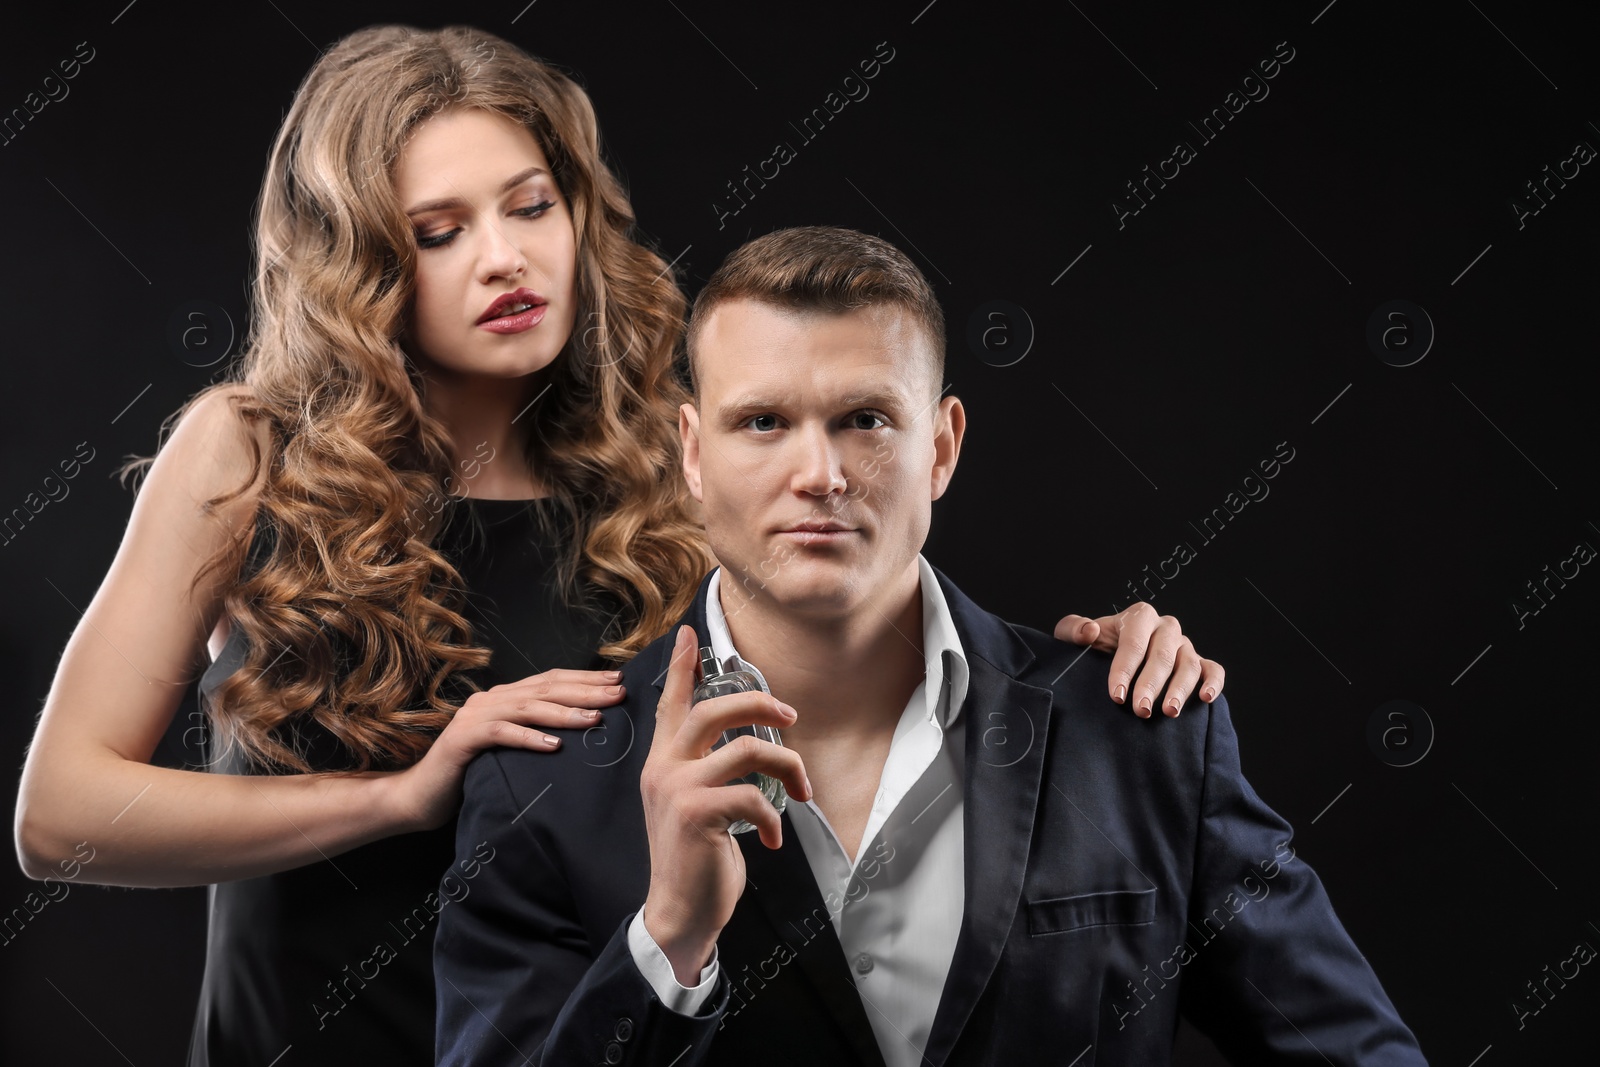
(867, 420)
(763, 422)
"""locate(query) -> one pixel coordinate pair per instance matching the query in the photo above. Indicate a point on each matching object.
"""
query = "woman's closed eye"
(438, 240)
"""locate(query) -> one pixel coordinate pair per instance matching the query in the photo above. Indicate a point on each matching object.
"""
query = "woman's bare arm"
(88, 778)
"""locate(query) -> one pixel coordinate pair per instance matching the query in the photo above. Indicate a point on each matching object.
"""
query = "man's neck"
(848, 678)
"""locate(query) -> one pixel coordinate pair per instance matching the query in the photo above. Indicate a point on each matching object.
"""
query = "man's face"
(817, 448)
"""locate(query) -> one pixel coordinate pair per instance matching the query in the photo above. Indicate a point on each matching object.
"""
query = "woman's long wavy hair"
(353, 619)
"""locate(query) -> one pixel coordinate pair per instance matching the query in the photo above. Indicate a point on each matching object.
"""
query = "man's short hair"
(822, 268)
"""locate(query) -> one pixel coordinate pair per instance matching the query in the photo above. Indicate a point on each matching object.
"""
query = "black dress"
(331, 963)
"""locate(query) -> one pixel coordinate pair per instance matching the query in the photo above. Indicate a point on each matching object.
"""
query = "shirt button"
(863, 963)
(613, 1053)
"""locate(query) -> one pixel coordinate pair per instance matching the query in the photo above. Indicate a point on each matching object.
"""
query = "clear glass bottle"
(720, 679)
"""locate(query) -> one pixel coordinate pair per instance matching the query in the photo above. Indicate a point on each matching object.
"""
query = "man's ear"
(689, 438)
(949, 426)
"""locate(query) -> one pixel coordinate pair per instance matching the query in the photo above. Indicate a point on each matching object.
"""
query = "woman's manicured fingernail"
(1122, 691)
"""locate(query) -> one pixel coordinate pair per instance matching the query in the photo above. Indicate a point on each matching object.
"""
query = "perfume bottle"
(720, 679)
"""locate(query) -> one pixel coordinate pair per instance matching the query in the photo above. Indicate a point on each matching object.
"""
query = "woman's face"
(490, 221)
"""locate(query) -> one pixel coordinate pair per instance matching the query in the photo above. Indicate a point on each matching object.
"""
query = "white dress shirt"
(896, 905)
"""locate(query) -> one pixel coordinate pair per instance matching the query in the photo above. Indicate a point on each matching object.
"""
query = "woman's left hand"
(1139, 635)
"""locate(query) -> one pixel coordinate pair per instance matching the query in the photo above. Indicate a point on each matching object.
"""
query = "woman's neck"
(487, 420)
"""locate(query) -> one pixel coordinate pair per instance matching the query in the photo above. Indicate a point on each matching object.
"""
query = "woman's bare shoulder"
(213, 451)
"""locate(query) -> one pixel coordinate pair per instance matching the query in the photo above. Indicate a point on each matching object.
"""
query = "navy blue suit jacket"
(1119, 872)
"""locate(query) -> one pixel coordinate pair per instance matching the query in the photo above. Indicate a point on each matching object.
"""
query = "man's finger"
(745, 801)
(702, 727)
(746, 754)
(679, 686)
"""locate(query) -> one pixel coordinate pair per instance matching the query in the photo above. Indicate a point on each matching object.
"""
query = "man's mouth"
(818, 532)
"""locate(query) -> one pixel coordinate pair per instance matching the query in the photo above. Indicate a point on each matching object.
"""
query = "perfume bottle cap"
(708, 662)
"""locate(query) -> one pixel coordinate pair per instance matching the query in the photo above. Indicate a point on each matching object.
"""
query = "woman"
(446, 470)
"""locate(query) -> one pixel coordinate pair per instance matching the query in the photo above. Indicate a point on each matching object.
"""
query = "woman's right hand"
(428, 794)
(90, 785)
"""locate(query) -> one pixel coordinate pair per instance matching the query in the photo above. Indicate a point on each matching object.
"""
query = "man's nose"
(819, 467)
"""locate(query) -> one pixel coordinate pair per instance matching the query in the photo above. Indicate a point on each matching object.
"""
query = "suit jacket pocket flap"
(1113, 908)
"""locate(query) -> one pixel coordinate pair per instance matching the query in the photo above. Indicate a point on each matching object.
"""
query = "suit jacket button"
(613, 1053)
(624, 1029)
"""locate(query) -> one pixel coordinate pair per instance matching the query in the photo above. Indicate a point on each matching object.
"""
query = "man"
(980, 860)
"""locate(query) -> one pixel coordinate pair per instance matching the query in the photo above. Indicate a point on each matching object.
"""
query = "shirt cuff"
(657, 970)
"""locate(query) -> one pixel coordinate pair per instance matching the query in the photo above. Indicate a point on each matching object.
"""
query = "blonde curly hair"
(355, 459)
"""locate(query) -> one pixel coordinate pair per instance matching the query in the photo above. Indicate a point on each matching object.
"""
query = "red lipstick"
(504, 316)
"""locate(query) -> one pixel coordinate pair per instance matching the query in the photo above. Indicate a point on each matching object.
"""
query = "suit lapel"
(782, 883)
(1007, 734)
(788, 894)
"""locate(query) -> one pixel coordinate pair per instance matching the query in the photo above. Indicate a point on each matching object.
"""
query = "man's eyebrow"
(874, 399)
(455, 201)
(746, 402)
(749, 403)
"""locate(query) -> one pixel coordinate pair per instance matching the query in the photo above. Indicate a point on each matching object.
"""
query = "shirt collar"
(943, 655)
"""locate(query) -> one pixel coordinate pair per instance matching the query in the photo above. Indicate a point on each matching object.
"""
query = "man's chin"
(810, 590)
(815, 601)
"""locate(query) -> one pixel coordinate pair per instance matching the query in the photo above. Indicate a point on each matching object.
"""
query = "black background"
(1179, 350)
